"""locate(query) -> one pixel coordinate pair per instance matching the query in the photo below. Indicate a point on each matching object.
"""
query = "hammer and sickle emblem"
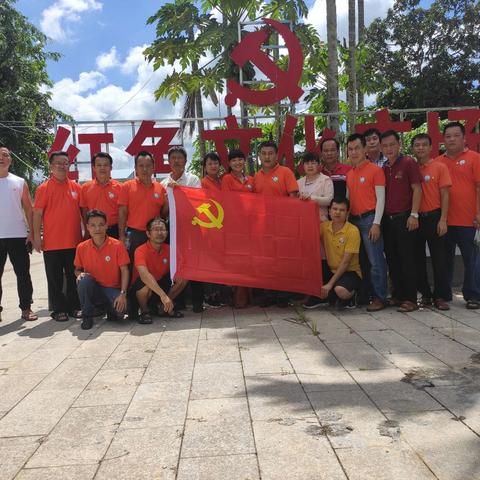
(215, 221)
(286, 82)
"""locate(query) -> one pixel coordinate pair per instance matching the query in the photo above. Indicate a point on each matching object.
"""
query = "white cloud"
(108, 60)
(135, 59)
(57, 17)
(317, 15)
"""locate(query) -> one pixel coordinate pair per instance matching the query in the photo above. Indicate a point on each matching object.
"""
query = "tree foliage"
(26, 119)
(426, 57)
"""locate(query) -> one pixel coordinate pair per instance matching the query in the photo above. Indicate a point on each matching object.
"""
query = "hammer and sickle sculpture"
(215, 221)
(286, 82)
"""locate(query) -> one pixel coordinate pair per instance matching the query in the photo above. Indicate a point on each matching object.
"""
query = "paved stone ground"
(243, 394)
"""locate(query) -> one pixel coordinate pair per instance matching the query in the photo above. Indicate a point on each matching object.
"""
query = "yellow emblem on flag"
(215, 221)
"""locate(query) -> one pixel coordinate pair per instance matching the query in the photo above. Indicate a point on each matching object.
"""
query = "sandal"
(29, 316)
(76, 314)
(174, 314)
(407, 307)
(60, 316)
(473, 305)
(145, 318)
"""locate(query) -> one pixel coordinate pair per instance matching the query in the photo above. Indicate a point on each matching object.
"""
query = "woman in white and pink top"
(314, 185)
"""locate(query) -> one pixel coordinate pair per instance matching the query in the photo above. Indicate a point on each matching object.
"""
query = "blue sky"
(103, 75)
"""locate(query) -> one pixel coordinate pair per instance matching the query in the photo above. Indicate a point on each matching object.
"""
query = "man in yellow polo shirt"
(341, 241)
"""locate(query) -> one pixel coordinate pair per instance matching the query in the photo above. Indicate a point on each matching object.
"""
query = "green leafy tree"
(187, 33)
(26, 119)
(426, 57)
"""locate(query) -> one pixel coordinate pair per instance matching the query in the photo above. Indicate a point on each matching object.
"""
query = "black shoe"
(346, 304)
(114, 317)
(145, 318)
(472, 305)
(197, 308)
(314, 302)
(87, 323)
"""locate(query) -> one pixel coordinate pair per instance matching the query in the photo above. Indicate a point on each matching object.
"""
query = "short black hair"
(372, 131)
(102, 155)
(357, 136)
(421, 136)
(155, 220)
(454, 124)
(95, 213)
(235, 153)
(390, 133)
(337, 143)
(268, 144)
(340, 199)
(177, 149)
(143, 153)
(58, 153)
(310, 157)
(212, 156)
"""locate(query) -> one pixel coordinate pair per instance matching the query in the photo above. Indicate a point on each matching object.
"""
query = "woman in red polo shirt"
(211, 171)
(237, 181)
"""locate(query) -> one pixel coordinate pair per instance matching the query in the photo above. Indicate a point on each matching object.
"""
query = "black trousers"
(59, 263)
(17, 252)
(427, 234)
(400, 252)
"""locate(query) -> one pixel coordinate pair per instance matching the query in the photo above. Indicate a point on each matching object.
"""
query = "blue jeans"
(92, 295)
(463, 237)
(374, 252)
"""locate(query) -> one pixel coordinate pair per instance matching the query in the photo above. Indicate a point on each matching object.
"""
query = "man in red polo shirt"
(102, 192)
(331, 166)
(464, 210)
(366, 190)
(151, 278)
(400, 223)
(101, 268)
(57, 206)
(140, 200)
(274, 179)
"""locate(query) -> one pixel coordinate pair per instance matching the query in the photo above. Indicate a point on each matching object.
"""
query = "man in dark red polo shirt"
(331, 166)
(403, 194)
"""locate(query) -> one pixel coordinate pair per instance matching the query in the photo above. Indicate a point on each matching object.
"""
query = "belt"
(362, 215)
(393, 216)
(430, 213)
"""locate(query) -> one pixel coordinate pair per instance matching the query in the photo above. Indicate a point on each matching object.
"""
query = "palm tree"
(332, 72)
(361, 36)
(352, 80)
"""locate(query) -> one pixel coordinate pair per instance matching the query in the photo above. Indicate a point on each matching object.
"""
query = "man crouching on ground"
(101, 268)
(151, 277)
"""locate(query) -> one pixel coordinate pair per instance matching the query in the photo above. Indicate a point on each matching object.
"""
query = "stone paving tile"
(342, 335)
(295, 449)
(397, 462)
(37, 413)
(18, 349)
(14, 452)
(450, 352)
(362, 322)
(351, 419)
(324, 321)
(388, 341)
(445, 445)
(467, 336)
(157, 404)
(142, 454)
(111, 387)
(356, 356)
(265, 361)
(277, 396)
(217, 427)
(81, 437)
(74, 472)
(231, 467)
(408, 361)
(221, 350)
(390, 393)
(15, 387)
(214, 380)
(331, 380)
(101, 346)
(164, 369)
(42, 360)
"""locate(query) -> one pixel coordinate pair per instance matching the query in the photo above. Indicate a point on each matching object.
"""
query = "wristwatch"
(123, 292)
(414, 215)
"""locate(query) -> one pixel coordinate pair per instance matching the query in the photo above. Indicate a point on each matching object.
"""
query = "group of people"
(377, 214)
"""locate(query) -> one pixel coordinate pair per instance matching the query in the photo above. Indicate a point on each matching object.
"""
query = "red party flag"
(245, 239)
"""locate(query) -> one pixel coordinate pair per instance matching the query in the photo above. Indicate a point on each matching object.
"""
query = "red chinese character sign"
(286, 83)
(59, 143)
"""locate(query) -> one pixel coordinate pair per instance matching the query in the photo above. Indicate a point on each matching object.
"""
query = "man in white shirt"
(177, 159)
(14, 239)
